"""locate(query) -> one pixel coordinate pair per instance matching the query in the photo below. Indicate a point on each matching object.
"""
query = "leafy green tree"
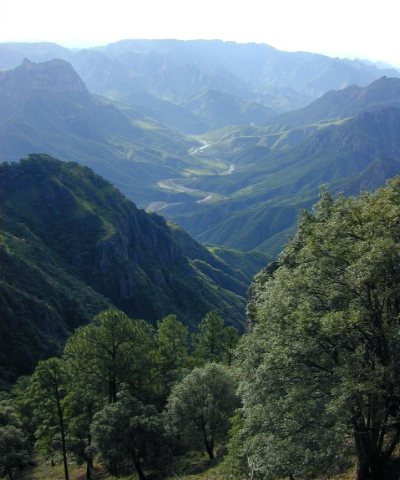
(128, 434)
(320, 366)
(14, 453)
(111, 352)
(200, 406)
(210, 339)
(172, 351)
(235, 462)
(48, 391)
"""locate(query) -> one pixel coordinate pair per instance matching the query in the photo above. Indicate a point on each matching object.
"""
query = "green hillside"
(259, 201)
(241, 187)
(72, 245)
(46, 108)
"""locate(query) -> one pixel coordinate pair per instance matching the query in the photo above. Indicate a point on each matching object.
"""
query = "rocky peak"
(54, 76)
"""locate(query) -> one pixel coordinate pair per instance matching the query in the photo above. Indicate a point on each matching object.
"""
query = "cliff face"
(84, 246)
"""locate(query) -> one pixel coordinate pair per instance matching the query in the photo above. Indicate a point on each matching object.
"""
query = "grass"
(43, 470)
(193, 466)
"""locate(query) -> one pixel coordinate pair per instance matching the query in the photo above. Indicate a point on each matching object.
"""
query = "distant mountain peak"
(56, 76)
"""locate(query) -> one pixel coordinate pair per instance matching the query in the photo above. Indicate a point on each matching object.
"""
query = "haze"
(363, 29)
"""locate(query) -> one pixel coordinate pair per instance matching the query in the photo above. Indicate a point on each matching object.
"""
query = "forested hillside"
(175, 301)
(310, 390)
(72, 245)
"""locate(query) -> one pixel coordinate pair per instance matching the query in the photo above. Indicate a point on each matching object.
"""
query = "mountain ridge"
(71, 245)
(255, 72)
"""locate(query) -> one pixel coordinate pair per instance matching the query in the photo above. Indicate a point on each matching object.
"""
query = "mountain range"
(347, 140)
(240, 186)
(265, 134)
(170, 77)
(259, 202)
(46, 108)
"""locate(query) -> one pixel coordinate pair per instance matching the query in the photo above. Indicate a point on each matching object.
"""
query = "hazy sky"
(350, 28)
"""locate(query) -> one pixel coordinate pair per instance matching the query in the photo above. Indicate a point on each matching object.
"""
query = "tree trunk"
(208, 444)
(139, 469)
(62, 431)
(209, 448)
(363, 470)
(88, 469)
(377, 469)
(89, 461)
(368, 469)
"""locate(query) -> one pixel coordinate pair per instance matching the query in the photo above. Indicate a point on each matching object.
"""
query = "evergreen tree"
(210, 339)
(230, 340)
(172, 351)
(81, 404)
(112, 352)
(48, 392)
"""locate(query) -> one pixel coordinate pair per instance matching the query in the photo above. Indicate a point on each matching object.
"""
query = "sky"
(366, 29)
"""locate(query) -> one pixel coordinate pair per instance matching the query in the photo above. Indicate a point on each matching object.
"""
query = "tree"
(230, 341)
(81, 404)
(172, 352)
(320, 366)
(111, 352)
(128, 434)
(21, 395)
(48, 390)
(200, 406)
(14, 453)
(209, 341)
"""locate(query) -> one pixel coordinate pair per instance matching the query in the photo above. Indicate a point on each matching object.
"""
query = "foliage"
(199, 407)
(215, 341)
(48, 391)
(209, 340)
(229, 343)
(172, 352)
(112, 352)
(105, 393)
(128, 434)
(14, 452)
(81, 404)
(320, 367)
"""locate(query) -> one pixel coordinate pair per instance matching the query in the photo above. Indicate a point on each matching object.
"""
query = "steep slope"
(46, 107)
(344, 103)
(41, 303)
(263, 196)
(71, 245)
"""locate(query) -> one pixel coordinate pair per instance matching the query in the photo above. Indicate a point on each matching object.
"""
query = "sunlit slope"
(71, 245)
